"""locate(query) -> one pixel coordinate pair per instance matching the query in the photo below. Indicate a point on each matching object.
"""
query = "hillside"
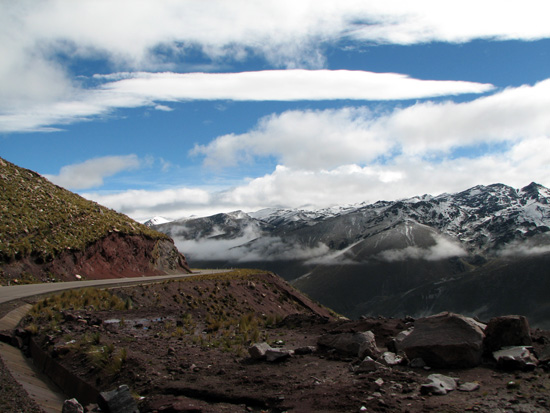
(49, 233)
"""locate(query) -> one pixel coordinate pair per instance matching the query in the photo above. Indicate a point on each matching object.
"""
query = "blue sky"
(179, 108)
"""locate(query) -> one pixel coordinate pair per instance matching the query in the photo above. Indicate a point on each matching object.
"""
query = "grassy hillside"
(40, 219)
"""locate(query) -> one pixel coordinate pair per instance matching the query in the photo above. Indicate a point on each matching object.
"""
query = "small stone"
(368, 365)
(391, 359)
(257, 351)
(439, 385)
(72, 406)
(468, 387)
(512, 385)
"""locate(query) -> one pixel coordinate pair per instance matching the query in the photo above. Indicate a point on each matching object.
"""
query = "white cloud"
(354, 155)
(36, 90)
(406, 22)
(91, 173)
(513, 114)
(164, 108)
(249, 247)
(142, 204)
(125, 90)
(309, 140)
(287, 85)
(442, 249)
(536, 245)
(404, 176)
(328, 138)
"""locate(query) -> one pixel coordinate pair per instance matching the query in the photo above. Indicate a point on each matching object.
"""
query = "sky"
(195, 107)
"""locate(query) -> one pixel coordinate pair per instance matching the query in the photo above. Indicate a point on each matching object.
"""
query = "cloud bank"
(357, 135)
(250, 247)
(442, 249)
(38, 92)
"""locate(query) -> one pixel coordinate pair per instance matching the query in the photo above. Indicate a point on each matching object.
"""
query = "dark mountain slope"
(47, 232)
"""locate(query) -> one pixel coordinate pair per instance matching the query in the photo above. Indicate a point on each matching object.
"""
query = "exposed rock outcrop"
(114, 256)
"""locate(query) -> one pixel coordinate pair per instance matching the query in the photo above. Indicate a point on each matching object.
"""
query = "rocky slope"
(246, 341)
(49, 233)
(395, 258)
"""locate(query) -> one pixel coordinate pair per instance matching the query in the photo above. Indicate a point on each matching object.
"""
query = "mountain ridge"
(356, 258)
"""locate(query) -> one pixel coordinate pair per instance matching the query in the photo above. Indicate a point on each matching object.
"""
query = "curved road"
(14, 292)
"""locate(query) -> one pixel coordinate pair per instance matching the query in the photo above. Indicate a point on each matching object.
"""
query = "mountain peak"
(536, 192)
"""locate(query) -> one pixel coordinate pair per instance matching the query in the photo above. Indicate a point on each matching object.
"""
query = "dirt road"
(15, 292)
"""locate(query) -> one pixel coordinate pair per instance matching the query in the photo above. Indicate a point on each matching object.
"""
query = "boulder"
(507, 331)
(439, 385)
(119, 400)
(351, 344)
(515, 358)
(445, 340)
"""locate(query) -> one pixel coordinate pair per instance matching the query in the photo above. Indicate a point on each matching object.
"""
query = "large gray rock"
(119, 400)
(507, 331)
(351, 344)
(444, 340)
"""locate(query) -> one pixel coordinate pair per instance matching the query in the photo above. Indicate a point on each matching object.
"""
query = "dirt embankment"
(117, 255)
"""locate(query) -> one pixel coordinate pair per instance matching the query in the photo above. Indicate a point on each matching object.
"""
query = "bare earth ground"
(182, 347)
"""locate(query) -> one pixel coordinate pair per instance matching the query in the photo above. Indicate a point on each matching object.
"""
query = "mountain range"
(483, 251)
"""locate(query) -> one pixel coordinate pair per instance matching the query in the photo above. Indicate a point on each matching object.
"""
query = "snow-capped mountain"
(483, 220)
(358, 258)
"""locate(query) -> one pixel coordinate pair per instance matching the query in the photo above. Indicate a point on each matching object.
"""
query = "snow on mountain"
(482, 220)
(158, 220)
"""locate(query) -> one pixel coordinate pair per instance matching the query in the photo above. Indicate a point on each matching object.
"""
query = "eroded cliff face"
(117, 255)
